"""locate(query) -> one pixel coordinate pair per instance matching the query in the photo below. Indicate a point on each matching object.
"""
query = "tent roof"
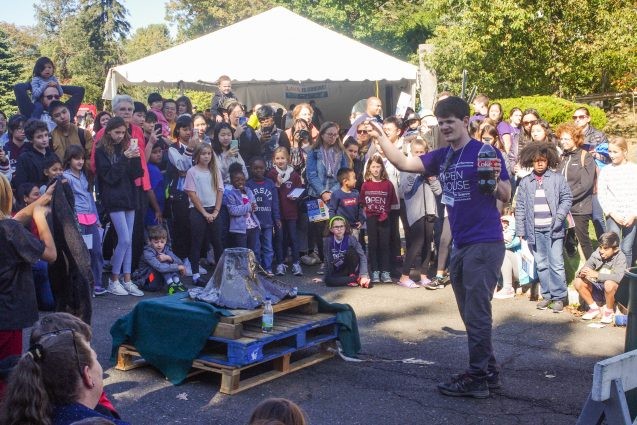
(236, 51)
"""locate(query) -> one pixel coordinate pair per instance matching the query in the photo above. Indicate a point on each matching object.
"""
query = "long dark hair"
(40, 64)
(216, 144)
(107, 141)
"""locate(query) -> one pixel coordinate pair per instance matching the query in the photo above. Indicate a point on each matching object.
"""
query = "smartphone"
(234, 144)
(243, 120)
(133, 144)
(157, 128)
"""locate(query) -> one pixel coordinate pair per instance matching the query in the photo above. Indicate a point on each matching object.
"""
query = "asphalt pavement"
(412, 339)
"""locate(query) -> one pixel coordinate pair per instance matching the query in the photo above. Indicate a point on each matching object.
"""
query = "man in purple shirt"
(478, 249)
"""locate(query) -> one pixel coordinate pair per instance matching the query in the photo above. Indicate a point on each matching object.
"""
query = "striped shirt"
(542, 213)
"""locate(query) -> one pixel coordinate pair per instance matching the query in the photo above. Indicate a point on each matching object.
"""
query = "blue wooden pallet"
(292, 332)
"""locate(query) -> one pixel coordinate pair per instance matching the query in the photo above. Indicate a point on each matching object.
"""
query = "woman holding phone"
(248, 140)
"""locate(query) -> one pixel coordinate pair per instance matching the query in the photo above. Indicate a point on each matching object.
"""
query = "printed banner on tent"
(295, 91)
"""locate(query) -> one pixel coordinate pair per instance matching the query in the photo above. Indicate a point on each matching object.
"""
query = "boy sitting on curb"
(601, 276)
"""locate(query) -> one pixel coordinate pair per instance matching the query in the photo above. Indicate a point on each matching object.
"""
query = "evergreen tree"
(9, 72)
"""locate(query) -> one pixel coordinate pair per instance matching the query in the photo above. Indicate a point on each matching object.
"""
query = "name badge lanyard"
(446, 199)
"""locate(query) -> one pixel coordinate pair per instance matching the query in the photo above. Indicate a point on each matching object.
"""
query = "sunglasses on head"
(52, 96)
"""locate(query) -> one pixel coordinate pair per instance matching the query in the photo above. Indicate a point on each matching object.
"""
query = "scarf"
(283, 175)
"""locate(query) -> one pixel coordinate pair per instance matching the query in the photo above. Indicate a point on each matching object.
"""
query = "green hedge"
(553, 109)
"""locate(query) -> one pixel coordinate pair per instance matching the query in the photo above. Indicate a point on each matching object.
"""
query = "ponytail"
(26, 400)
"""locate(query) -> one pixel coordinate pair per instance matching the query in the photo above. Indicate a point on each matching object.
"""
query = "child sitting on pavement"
(159, 266)
(601, 276)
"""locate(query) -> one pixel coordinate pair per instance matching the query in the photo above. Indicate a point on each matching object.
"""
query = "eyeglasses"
(526, 123)
(52, 96)
(331, 134)
(579, 117)
(362, 131)
(66, 332)
(340, 226)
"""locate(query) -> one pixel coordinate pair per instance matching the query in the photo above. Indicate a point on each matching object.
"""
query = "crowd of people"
(159, 192)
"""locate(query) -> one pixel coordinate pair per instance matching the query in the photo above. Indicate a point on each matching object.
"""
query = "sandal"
(408, 284)
(352, 284)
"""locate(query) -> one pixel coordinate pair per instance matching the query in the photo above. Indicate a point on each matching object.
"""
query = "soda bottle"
(487, 180)
(267, 321)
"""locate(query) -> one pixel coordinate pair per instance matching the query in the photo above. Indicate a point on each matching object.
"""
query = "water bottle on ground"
(487, 180)
(267, 321)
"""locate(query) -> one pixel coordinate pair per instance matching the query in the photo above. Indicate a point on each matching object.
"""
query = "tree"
(395, 26)
(26, 46)
(146, 41)
(52, 16)
(512, 48)
(9, 71)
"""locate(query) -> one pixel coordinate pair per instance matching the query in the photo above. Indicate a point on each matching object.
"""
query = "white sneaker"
(281, 269)
(296, 269)
(116, 288)
(592, 313)
(186, 262)
(202, 270)
(608, 316)
(504, 293)
(132, 289)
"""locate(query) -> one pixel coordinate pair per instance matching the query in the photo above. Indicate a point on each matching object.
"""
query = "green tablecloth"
(170, 332)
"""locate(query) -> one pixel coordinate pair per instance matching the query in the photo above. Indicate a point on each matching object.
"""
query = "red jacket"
(289, 207)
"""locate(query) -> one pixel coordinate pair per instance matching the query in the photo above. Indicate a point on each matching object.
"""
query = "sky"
(141, 13)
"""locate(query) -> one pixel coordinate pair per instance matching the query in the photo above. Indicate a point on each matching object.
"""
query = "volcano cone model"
(235, 283)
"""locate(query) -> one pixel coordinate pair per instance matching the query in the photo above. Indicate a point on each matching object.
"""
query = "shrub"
(553, 109)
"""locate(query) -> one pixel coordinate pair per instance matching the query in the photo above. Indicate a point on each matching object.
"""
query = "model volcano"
(236, 283)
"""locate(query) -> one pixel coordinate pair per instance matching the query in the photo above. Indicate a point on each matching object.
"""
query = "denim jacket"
(317, 178)
(558, 196)
(233, 200)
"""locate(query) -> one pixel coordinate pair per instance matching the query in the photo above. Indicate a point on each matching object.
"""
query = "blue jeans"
(284, 238)
(626, 236)
(43, 291)
(123, 222)
(264, 251)
(97, 261)
(549, 261)
(598, 217)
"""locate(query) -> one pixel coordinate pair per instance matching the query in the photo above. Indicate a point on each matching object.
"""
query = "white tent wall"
(335, 99)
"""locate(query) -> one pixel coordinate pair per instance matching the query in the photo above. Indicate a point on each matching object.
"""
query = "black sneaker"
(543, 305)
(465, 386)
(493, 380)
(558, 306)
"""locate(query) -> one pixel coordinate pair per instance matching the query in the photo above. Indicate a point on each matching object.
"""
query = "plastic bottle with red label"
(487, 180)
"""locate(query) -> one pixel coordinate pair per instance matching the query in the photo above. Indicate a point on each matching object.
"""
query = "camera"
(302, 134)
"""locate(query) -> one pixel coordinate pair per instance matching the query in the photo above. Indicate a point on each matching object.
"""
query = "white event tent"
(276, 56)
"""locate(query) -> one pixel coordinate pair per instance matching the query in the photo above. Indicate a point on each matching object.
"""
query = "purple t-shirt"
(474, 217)
(504, 128)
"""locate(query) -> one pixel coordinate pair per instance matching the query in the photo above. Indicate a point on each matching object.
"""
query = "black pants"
(200, 229)
(581, 231)
(394, 235)
(420, 234)
(315, 237)
(343, 276)
(180, 225)
(139, 239)
(377, 249)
